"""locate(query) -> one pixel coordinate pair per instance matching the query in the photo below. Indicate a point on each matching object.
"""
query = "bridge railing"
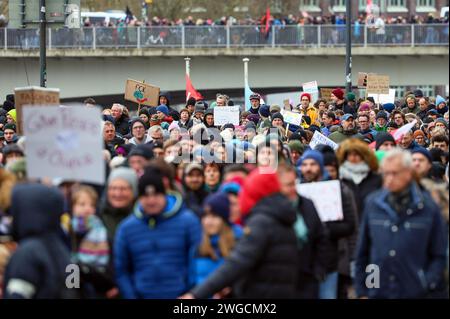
(227, 37)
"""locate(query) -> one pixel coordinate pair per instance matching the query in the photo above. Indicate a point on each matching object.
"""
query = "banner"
(64, 142)
(319, 138)
(33, 95)
(141, 93)
(326, 197)
(226, 114)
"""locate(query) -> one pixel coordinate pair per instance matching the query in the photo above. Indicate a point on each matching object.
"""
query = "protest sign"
(141, 93)
(329, 209)
(226, 114)
(64, 142)
(33, 95)
(292, 117)
(378, 84)
(384, 98)
(325, 93)
(362, 80)
(311, 88)
(319, 138)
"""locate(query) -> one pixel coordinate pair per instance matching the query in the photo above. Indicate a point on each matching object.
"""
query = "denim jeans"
(328, 288)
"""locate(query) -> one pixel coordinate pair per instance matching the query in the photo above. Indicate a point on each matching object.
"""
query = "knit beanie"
(277, 115)
(151, 182)
(264, 110)
(126, 174)
(382, 137)
(423, 151)
(163, 109)
(297, 146)
(218, 204)
(339, 93)
(314, 155)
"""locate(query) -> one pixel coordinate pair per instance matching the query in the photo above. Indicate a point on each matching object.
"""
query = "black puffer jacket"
(37, 268)
(264, 262)
(122, 126)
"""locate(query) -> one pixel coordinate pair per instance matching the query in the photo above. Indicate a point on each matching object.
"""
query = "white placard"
(64, 142)
(226, 114)
(384, 98)
(313, 89)
(319, 138)
(329, 209)
(292, 117)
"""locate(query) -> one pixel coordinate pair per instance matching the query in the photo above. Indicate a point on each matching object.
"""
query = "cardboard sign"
(378, 84)
(329, 209)
(141, 93)
(384, 98)
(319, 138)
(226, 114)
(362, 80)
(64, 142)
(325, 93)
(33, 95)
(292, 117)
(311, 88)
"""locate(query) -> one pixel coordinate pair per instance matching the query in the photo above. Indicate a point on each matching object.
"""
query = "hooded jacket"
(340, 136)
(154, 254)
(264, 262)
(37, 268)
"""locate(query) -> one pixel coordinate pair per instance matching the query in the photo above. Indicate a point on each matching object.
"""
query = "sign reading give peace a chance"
(64, 142)
(141, 93)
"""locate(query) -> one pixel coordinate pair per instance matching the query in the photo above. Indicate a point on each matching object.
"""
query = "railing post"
(413, 36)
(49, 38)
(6, 38)
(365, 35)
(139, 37)
(319, 36)
(183, 37)
(94, 41)
(228, 36)
(273, 36)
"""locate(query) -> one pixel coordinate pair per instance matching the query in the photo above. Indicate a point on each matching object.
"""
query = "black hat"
(190, 101)
(12, 148)
(382, 115)
(10, 126)
(418, 93)
(277, 115)
(382, 137)
(229, 125)
(151, 182)
(200, 107)
(142, 150)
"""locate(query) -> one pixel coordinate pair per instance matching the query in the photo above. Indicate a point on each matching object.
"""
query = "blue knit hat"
(423, 151)
(439, 100)
(264, 110)
(163, 109)
(218, 204)
(314, 155)
(389, 107)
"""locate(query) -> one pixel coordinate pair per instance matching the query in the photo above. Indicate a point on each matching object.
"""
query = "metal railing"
(227, 37)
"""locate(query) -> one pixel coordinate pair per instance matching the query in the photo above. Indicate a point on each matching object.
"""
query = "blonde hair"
(84, 189)
(226, 243)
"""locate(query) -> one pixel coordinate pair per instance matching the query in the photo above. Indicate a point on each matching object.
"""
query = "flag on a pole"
(265, 23)
(191, 91)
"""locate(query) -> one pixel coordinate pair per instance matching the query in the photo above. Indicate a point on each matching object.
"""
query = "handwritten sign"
(141, 93)
(226, 114)
(292, 117)
(378, 84)
(64, 142)
(325, 93)
(329, 209)
(33, 95)
(319, 138)
(362, 80)
(311, 88)
(384, 98)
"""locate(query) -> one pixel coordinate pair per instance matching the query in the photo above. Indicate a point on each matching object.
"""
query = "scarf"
(94, 247)
(354, 172)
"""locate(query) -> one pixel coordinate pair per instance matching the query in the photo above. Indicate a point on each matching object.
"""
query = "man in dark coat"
(263, 263)
(37, 269)
(120, 119)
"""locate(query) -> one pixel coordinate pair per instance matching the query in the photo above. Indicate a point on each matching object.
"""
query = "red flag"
(191, 91)
(265, 22)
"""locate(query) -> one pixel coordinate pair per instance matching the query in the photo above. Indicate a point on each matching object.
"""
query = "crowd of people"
(194, 210)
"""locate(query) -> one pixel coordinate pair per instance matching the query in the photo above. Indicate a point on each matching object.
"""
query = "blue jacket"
(409, 249)
(204, 266)
(154, 254)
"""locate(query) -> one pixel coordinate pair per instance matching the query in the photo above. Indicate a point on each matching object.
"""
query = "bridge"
(97, 61)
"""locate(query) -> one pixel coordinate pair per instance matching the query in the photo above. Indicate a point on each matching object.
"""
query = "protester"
(118, 111)
(347, 130)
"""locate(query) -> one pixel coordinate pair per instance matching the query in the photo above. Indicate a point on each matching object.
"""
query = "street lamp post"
(348, 52)
(42, 43)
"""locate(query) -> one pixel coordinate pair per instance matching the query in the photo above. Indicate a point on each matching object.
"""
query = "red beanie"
(256, 187)
(339, 93)
(307, 95)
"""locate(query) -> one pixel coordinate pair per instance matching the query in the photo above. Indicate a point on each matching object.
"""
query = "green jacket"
(339, 136)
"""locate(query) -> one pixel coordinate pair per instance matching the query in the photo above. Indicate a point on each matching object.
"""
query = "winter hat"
(9, 126)
(228, 125)
(11, 148)
(218, 204)
(209, 111)
(419, 132)
(151, 182)
(151, 111)
(277, 115)
(142, 150)
(13, 114)
(264, 110)
(297, 146)
(274, 108)
(351, 97)
(432, 112)
(439, 100)
(250, 195)
(382, 137)
(144, 111)
(307, 95)
(253, 118)
(174, 126)
(439, 120)
(250, 125)
(389, 107)
(382, 115)
(314, 155)
(418, 93)
(200, 107)
(364, 107)
(127, 174)
(339, 93)
(163, 109)
(423, 151)
(330, 159)
(8, 105)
